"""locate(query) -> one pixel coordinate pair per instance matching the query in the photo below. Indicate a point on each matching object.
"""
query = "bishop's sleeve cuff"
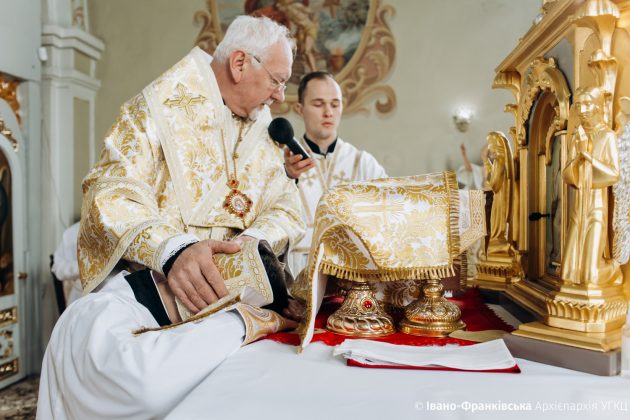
(254, 233)
(172, 246)
(259, 322)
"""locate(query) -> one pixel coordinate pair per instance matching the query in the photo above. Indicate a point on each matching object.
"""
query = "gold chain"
(234, 152)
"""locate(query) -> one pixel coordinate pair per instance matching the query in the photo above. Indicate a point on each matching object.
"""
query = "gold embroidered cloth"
(390, 229)
(245, 278)
(387, 230)
(248, 287)
(162, 174)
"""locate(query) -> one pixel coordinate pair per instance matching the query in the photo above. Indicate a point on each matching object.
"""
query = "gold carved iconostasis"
(559, 238)
(350, 39)
(9, 330)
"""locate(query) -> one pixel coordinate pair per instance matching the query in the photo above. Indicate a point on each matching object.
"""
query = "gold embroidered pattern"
(408, 230)
(259, 322)
(240, 271)
(472, 210)
(185, 101)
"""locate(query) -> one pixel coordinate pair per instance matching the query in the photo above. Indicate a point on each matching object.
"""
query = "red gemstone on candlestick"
(367, 304)
(240, 215)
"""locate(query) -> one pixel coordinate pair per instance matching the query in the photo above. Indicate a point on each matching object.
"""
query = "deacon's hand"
(194, 278)
(295, 165)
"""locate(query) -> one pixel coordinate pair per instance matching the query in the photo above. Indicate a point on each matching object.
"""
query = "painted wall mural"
(349, 38)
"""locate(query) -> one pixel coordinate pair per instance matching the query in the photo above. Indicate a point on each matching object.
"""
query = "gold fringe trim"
(415, 273)
(197, 317)
(452, 190)
(463, 270)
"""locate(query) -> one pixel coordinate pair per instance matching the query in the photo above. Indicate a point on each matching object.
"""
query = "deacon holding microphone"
(320, 159)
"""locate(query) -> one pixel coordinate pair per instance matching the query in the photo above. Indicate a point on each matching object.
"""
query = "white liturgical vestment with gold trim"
(165, 175)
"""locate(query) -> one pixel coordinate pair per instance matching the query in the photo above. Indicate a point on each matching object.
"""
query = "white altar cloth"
(268, 380)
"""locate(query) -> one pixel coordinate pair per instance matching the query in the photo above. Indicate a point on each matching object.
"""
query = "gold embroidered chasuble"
(162, 174)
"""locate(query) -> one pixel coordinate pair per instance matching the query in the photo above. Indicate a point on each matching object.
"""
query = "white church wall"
(20, 39)
(446, 52)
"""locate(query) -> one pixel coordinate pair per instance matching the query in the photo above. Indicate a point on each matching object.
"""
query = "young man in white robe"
(332, 160)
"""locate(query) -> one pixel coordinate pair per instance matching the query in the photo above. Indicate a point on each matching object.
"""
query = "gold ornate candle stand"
(361, 314)
(432, 315)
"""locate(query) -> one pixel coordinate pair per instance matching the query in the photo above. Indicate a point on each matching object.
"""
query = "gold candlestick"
(432, 315)
(360, 314)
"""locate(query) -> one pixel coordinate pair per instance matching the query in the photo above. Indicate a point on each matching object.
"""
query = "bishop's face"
(264, 78)
(321, 109)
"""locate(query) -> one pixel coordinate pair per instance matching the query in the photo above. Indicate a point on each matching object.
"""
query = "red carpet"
(476, 315)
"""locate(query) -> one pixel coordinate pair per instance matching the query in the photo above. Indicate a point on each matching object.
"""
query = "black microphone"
(536, 216)
(281, 131)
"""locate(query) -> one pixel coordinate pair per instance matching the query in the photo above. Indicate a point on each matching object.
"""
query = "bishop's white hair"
(254, 35)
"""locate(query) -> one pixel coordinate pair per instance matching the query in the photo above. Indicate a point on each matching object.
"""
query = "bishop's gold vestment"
(162, 180)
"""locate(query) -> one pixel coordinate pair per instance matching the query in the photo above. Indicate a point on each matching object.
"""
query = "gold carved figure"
(592, 169)
(499, 170)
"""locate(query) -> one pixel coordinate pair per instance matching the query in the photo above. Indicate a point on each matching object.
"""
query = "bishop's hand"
(194, 278)
(295, 165)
